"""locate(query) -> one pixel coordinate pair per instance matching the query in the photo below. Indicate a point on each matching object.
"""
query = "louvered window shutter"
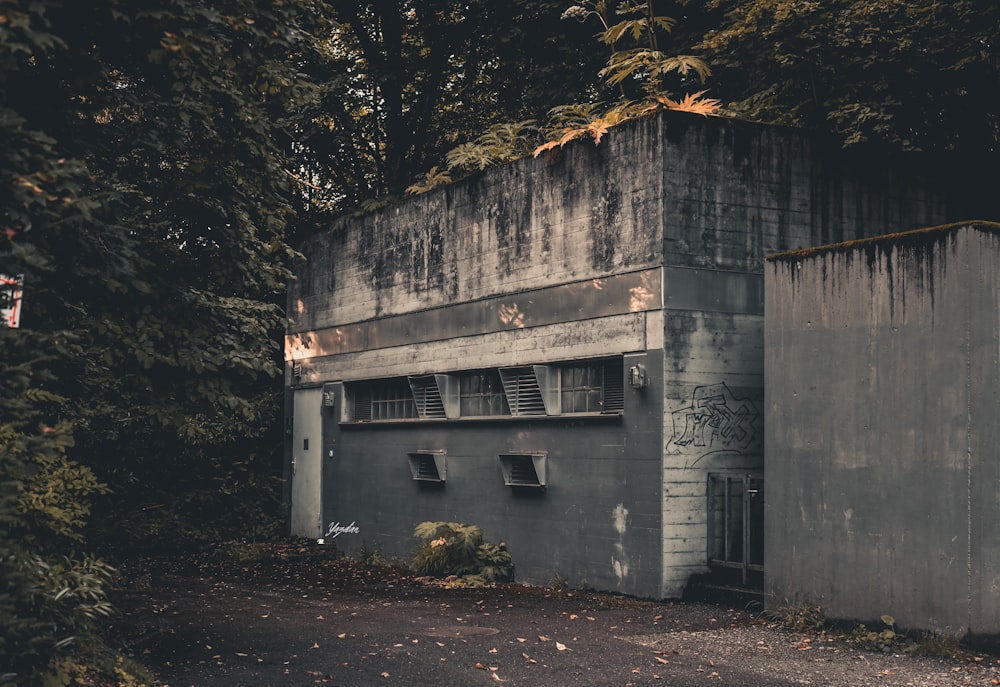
(614, 387)
(436, 396)
(426, 396)
(523, 393)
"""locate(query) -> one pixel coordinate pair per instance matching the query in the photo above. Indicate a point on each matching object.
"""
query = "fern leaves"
(692, 102)
(637, 63)
(452, 548)
(599, 126)
(651, 65)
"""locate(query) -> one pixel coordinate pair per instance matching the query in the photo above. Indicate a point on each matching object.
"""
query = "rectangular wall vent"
(523, 469)
(428, 466)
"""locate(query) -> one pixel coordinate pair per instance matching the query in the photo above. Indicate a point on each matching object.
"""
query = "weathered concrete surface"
(679, 190)
(649, 246)
(882, 431)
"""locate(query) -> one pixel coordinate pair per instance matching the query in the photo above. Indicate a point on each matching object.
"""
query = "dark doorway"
(736, 529)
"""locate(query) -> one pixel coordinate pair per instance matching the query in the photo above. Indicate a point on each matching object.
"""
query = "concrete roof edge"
(930, 233)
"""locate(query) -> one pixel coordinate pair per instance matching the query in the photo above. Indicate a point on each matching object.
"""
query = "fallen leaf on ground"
(543, 638)
(561, 646)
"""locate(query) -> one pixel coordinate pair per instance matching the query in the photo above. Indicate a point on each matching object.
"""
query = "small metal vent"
(428, 466)
(523, 469)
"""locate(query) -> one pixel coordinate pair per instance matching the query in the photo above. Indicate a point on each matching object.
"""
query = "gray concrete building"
(568, 351)
(882, 360)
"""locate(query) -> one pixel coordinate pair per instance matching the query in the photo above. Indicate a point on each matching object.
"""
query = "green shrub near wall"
(453, 549)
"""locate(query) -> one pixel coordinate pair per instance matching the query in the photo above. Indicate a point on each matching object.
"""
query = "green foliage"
(56, 494)
(404, 82)
(97, 664)
(47, 598)
(636, 56)
(912, 74)
(143, 196)
(501, 143)
(808, 618)
(652, 64)
(375, 557)
(937, 645)
(453, 549)
(885, 640)
(636, 67)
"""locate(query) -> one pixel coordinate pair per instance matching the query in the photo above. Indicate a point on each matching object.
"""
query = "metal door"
(307, 464)
(736, 523)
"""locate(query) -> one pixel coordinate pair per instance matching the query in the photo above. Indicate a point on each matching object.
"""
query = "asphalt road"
(326, 622)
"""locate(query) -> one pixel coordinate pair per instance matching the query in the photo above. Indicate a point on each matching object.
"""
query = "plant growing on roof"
(640, 59)
(637, 68)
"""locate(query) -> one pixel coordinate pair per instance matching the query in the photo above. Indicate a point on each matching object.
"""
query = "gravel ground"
(291, 619)
(769, 652)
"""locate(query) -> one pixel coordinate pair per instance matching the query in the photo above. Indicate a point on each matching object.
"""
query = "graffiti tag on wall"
(715, 420)
(335, 529)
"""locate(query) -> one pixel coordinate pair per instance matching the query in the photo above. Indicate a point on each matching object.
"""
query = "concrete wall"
(881, 441)
(584, 212)
(733, 193)
(597, 522)
(535, 262)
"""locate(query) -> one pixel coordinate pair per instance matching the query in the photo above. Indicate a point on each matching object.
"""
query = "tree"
(47, 596)
(404, 82)
(910, 74)
(146, 196)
